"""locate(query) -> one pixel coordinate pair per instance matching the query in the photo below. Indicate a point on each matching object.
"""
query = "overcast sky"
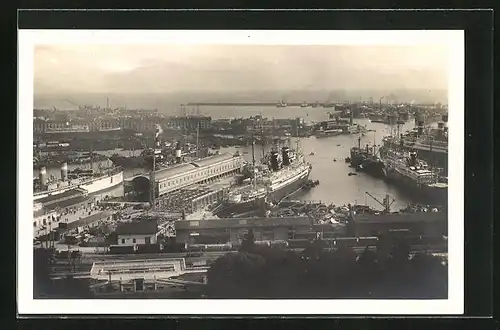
(169, 68)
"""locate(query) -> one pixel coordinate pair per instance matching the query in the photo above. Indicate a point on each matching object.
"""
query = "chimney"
(42, 175)
(178, 153)
(64, 171)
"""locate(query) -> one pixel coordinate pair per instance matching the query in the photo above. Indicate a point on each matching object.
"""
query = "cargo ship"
(278, 176)
(414, 177)
(375, 118)
(90, 180)
(321, 133)
(366, 160)
(431, 143)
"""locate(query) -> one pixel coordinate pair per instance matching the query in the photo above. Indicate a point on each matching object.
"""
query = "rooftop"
(88, 220)
(402, 217)
(212, 160)
(67, 202)
(173, 171)
(242, 223)
(67, 194)
(144, 227)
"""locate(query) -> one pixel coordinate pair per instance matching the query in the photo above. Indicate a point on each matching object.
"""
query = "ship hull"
(422, 193)
(286, 190)
(228, 209)
(363, 163)
(92, 187)
(436, 158)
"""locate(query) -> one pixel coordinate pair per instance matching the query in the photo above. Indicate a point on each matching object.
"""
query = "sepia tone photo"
(241, 171)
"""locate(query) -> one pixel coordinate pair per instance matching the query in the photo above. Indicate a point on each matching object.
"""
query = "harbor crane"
(386, 203)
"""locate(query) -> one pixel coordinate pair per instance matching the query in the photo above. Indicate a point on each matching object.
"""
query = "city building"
(221, 231)
(137, 233)
(85, 223)
(428, 224)
(190, 123)
(180, 176)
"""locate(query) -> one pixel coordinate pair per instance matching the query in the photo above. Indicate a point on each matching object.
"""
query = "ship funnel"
(178, 153)
(42, 175)
(285, 155)
(413, 158)
(420, 126)
(351, 117)
(441, 125)
(445, 117)
(64, 171)
(274, 161)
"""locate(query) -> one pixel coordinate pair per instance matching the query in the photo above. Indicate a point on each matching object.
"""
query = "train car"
(281, 244)
(148, 248)
(173, 247)
(121, 249)
(218, 247)
(300, 243)
(196, 247)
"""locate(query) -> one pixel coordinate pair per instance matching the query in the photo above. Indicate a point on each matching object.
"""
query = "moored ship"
(328, 133)
(366, 160)
(90, 180)
(431, 143)
(280, 175)
(414, 177)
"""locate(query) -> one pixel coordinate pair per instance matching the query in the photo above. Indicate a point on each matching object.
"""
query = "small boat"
(335, 159)
(311, 154)
(348, 159)
(351, 174)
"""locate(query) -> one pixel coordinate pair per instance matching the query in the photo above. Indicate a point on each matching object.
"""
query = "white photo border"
(454, 305)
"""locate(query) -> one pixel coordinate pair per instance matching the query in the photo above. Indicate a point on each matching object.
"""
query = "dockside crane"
(386, 203)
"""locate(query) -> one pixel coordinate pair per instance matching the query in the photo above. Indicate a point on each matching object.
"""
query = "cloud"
(169, 68)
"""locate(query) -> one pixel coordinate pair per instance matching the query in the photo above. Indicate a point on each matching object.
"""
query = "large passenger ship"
(415, 177)
(278, 176)
(90, 180)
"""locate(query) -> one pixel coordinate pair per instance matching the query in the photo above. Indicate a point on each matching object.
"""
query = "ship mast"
(152, 175)
(197, 140)
(262, 136)
(91, 159)
(253, 160)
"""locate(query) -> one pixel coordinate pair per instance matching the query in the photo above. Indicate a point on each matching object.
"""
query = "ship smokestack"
(64, 171)
(420, 127)
(351, 118)
(42, 175)
(413, 158)
(445, 117)
(178, 153)
(285, 156)
(274, 161)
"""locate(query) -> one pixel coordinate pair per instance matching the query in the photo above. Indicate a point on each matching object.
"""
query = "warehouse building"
(221, 231)
(180, 176)
(428, 224)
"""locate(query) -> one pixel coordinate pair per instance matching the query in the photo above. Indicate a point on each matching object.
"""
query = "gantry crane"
(386, 203)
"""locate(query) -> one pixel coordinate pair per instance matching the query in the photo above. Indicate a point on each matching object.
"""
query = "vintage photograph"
(241, 171)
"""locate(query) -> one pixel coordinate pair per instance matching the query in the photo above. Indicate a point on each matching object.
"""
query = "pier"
(251, 104)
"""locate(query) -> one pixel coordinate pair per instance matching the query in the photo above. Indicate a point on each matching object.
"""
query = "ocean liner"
(90, 180)
(431, 143)
(414, 177)
(279, 175)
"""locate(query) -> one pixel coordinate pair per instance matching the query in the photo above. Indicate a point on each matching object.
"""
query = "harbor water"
(328, 159)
